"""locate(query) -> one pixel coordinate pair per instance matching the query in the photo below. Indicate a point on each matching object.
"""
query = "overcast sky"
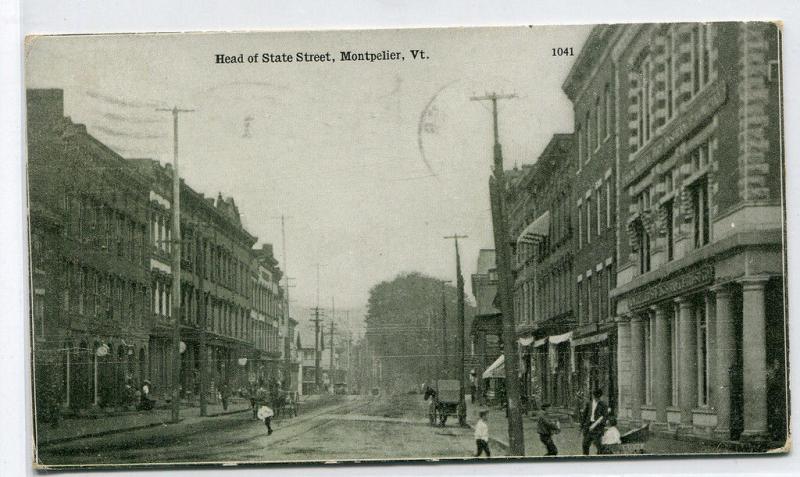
(336, 147)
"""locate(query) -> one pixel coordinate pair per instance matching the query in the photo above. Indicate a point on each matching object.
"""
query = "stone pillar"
(754, 357)
(687, 342)
(662, 363)
(623, 364)
(726, 353)
(637, 368)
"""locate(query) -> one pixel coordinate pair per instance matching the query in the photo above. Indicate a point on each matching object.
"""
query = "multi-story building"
(487, 327)
(90, 283)
(216, 286)
(267, 313)
(698, 298)
(592, 87)
(101, 273)
(544, 255)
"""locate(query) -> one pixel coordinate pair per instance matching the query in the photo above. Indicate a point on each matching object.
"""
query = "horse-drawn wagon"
(445, 401)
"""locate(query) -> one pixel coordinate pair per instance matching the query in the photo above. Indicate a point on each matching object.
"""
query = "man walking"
(593, 419)
(482, 436)
(546, 428)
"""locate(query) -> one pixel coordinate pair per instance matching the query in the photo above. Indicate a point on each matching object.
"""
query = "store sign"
(701, 107)
(673, 287)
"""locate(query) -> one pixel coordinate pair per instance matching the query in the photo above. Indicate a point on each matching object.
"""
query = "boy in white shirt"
(482, 435)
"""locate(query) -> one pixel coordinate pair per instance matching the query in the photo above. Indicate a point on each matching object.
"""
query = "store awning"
(525, 341)
(560, 338)
(590, 339)
(540, 342)
(496, 370)
(536, 230)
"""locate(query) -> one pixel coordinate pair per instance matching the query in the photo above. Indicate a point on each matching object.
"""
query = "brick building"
(101, 275)
(590, 85)
(544, 274)
(695, 150)
(90, 283)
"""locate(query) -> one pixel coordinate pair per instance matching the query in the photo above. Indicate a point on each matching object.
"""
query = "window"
(648, 358)
(580, 226)
(588, 123)
(670, 75)
(608, 203)
(700, 57)
(674, 349)
(588, 221)
(700, 212)
(589, 299)
(669, 226)
(703, 388)
(579, 138)
(608, 103)
(598, 117)
(578, 298)
(599, 201)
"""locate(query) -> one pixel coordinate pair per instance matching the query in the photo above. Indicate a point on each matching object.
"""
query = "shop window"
(674, 359)
(703, 372)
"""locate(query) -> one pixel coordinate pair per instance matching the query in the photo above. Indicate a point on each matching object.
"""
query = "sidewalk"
(569, 439)
(93, 426)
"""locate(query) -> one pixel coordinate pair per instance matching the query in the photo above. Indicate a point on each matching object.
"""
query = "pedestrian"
(225, 395)
(145, 403)
(611, 441)
(482, 435)
(546, 428)
(473, 386)
(265, 413)
(593, 421)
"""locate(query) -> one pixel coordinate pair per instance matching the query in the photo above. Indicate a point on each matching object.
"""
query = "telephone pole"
(460, 286)
(176, 263)
(316, 349)
(503, 251)
(333, 325)
(445, 361)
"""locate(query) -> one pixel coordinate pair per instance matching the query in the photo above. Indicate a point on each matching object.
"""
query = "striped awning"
(591, 339)
(536, 230)
(497, 369)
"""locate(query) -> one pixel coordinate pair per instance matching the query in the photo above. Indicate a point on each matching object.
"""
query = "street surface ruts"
(359, 428)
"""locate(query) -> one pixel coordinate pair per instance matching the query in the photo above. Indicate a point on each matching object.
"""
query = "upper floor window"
(669, 67)
(588, 123)
(598, 117)
(579, 138)
(700, 57)
(608, 104)
(700, 212)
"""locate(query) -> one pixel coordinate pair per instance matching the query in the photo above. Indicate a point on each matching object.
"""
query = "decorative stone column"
(662, 363)
(637, 368)
(754, 357)
(726, 352)
(687, 342)
(623, 364)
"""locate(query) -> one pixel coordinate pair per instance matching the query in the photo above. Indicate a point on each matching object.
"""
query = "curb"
(61, 440)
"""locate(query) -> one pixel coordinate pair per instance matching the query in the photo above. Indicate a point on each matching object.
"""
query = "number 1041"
(563, 52)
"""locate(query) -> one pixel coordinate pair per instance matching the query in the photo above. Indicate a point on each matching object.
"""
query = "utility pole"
(503, 251)
(461, 324)
(201, 271)
(286, 313)
(446, 360)
(333, 319)
(316, 349)
(176, 263)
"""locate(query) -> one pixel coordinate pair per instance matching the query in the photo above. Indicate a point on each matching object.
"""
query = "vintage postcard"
(422, 244)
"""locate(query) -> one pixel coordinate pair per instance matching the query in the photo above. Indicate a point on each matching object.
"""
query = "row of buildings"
(648, 244)
(101, 276)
